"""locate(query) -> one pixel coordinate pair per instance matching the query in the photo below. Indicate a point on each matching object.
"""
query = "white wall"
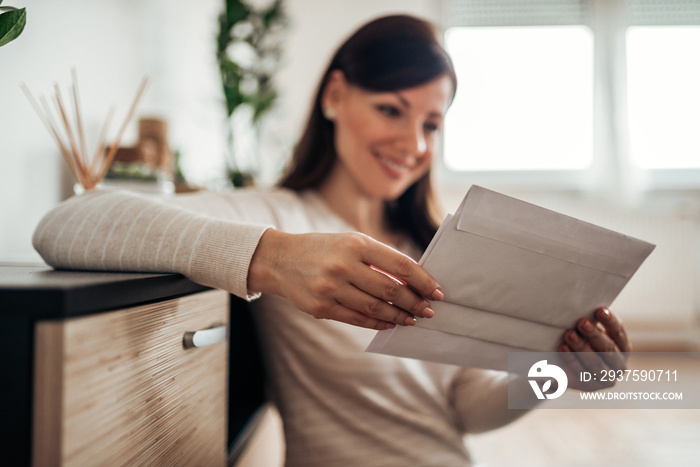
(113, 44)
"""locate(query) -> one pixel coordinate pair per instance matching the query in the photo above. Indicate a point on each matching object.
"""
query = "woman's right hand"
(335, 276)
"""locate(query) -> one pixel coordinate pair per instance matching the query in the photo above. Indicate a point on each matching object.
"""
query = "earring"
(329, 114)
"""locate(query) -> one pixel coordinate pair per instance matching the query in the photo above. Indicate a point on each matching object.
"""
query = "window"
(525, 98)
(663, 95)
(598, 90)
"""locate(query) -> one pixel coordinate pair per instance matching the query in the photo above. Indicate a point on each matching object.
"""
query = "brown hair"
(387, 54)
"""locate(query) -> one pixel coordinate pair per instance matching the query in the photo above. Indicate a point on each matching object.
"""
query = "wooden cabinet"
(116, 386)
(120, 387)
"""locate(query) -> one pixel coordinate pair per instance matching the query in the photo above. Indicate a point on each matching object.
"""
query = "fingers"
(374, 307)
(576, 364)
(596, 338)
(576, 342)
(584, 360)
(347, 315)
(331, 276)
(572, 366)
(403, 268)
(599, 346)
(608, 335)
(614, 329)
(378, 285)
(588, 357)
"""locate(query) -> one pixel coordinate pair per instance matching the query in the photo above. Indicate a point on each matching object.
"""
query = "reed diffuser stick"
(45, 120)
(88, 172)
(74, 147)
(101, 142)
(63, 145)
(78, 120)
(113, 148)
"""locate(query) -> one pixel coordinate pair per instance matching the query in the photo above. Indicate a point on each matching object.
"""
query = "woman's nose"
(414, 141)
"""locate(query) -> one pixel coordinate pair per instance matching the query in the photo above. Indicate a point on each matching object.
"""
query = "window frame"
(611, 169)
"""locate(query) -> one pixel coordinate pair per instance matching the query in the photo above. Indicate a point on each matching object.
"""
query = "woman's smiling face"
(385, 140)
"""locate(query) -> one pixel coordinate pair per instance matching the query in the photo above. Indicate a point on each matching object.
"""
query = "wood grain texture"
(118, 388)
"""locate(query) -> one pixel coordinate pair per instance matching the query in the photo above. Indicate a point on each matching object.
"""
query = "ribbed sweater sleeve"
(116, 230)
(480, 398)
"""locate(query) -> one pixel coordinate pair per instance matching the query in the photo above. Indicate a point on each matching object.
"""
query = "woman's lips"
(391, 166)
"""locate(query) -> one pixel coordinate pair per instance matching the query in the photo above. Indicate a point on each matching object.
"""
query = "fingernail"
(564, 348)
(390, 326)
(410, 321)
(573, 337)
(588, 326)
(604, 314)
(438, 295)
(428, 313)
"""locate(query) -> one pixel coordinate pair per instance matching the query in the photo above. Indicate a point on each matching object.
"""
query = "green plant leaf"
(224, 37)
(235, 11)
(262, 101)
(234, 98)
(11, 25)
(273, 14)
(230, 69)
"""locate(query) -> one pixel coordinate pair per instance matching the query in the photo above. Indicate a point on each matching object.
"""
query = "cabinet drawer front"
(119, 388)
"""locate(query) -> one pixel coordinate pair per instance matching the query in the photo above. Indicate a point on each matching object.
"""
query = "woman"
(357, 194)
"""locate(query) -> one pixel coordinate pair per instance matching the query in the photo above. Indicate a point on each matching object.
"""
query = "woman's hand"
(335, 276)
(599, 346)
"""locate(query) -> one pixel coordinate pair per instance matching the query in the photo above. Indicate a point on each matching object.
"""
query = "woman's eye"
(430, 127)
(389, 110)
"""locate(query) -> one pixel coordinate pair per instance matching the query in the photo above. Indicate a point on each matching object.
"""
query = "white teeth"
(393, 165)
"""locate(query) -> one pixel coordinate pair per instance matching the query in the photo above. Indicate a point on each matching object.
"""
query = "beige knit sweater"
(340, 405)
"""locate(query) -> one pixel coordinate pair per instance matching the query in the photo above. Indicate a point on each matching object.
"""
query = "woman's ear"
(333, 93)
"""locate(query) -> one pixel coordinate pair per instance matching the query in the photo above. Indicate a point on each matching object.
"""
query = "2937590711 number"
(631, 375)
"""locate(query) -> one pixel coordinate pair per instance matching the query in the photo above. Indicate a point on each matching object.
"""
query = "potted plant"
(12, 21)
(248, 53)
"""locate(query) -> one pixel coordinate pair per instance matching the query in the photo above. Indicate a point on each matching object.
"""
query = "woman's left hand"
(600, 345)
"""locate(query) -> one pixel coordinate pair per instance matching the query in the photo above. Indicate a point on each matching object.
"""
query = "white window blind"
(663, 12)
(643, 73)
(480, 13)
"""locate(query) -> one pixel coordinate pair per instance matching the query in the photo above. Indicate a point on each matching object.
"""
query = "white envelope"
(515, 277)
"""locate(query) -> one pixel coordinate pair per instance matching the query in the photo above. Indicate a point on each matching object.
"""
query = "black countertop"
(39, 292)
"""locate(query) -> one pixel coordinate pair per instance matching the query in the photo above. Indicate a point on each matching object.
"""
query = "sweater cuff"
(222, 256)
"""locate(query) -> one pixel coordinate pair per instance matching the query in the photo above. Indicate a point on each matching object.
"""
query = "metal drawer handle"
(204, 337)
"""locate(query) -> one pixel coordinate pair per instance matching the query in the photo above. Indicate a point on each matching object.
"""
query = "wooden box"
(111, 383)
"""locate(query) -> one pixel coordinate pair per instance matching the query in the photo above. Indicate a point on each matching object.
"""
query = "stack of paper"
(515, 277)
